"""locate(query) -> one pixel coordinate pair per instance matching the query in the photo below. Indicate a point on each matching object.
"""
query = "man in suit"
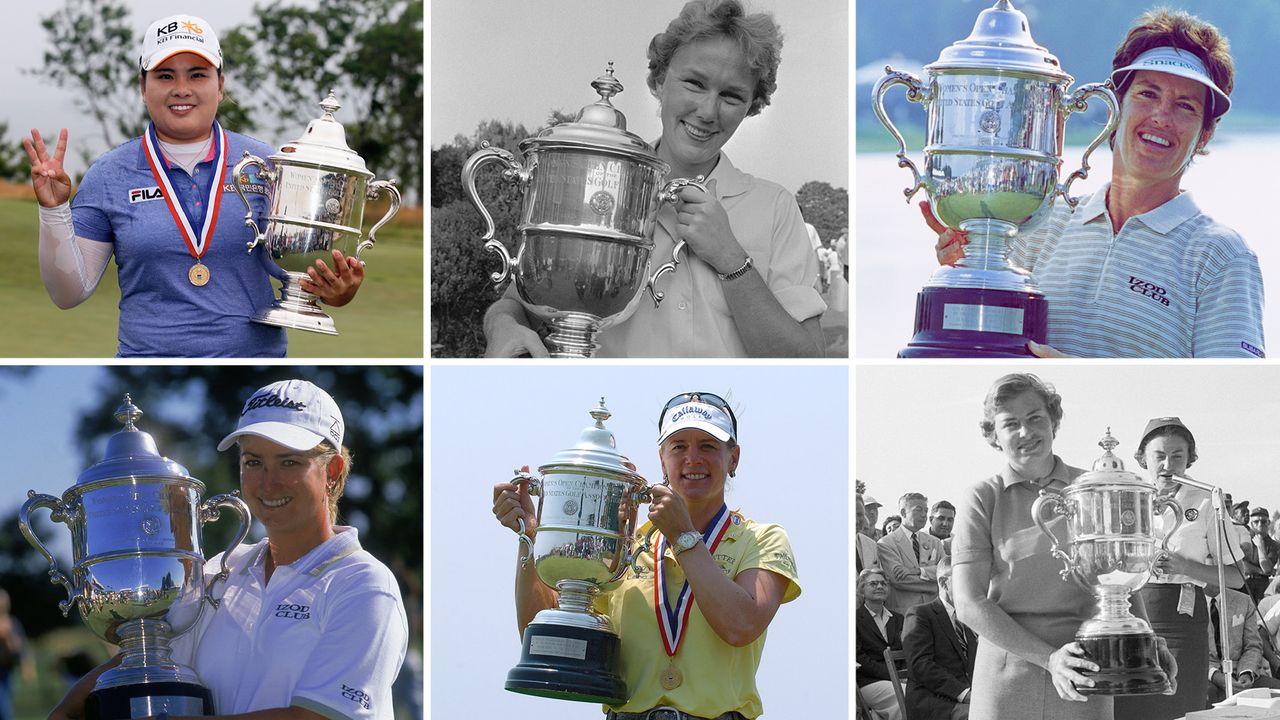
(864, 549)
(1246, 646)
(876, 628)
(940, 654)
(910, 556)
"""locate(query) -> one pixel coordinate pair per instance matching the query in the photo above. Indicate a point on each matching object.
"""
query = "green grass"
(35, 696)
(385, 319)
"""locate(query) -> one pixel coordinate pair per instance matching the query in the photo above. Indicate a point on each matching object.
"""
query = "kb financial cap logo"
(186, 26)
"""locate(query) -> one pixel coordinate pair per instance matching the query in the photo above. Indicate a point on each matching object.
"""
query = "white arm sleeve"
(70, 266)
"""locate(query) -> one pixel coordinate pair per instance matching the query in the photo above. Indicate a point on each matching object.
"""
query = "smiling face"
(914, 514)
(284, 488)
(874, 587)
(704, 97)
(697, 465)
(1161, 127)
(182, 96)
(1166, 456)
(1024, 433)
(941, 522)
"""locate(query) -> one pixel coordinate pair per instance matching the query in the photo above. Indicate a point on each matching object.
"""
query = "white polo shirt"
(1195, 539)
(328, 633)
(1172, 283)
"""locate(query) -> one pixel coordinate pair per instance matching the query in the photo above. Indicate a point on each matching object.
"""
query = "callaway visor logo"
(691, 409)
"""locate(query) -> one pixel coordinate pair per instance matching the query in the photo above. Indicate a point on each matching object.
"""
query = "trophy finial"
(1108, 442)
(127, 413)
(330, 104)
(607, 85)
(1108, 462)
(600, 413)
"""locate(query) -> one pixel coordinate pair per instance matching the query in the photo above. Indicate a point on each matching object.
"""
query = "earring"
(733, 473)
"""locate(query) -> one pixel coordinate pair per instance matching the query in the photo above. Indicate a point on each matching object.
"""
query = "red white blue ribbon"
(197, 240)
(672, 620)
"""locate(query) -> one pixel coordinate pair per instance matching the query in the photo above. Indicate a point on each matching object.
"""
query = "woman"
(1007, 586)
(1173, 282)
(746, 288)
(336, 651)
(1175, 596)
(165, 205)
(890, 524)
(737, 581)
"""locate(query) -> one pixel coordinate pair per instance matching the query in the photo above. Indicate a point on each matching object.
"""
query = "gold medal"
(198, 274)
(672, 678)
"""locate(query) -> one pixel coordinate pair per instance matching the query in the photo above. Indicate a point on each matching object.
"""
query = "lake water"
(895, 248)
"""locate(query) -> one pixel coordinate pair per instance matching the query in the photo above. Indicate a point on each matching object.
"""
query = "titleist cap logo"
(271, 400)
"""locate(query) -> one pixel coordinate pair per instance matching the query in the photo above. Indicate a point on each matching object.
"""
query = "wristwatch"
(687, 540)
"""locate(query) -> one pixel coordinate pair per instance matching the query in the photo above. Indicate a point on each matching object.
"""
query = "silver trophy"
(997, 108)
(1109, 548)
(138, 568)
(591, 195)
(587, 502)
(317, 192)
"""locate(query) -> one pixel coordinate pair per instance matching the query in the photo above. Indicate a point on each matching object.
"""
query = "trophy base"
(976, 323)
(1128, 665)
(144, 700)
(569, 663)
(297, 309)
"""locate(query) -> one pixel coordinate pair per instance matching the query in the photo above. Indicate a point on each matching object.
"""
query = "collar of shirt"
(1058, 477)
(208, 156)
(730, 181)
(1162, 219)
(883, 616)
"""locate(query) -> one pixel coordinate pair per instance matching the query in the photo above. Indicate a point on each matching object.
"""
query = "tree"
(14, 165)
(368, 51)
(825, 207)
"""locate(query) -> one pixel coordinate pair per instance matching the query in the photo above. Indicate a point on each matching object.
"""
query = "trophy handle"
(1167, 502)
(671, 193)
(249, 160)
(375, 189)
(1078, 102)
(916, 92)
(642, 495)
(209, 513)
(58, 513)
(1050, 499)
(514, 172)
(535, 488)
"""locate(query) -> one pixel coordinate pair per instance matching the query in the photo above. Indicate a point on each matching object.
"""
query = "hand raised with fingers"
(1065, 665)
(48, 177)
(338, 286)
(951, 242)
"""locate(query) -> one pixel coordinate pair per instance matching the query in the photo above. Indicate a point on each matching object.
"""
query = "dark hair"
(1166, 431)
(1165, 27)
(1009, 387)
(891, 518)
(941, 505)
(757, 35)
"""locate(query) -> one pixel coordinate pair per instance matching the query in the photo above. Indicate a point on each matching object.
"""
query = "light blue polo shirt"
(1172, 283)
(161, 313)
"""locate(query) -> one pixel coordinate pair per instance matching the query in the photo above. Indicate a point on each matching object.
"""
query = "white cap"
(178, 34)
(293, 413)
(1183, 63)
(868, 501)
(693, 414)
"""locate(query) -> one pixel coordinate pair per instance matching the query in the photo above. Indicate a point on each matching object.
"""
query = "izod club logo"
(1149, 289)
(293, 611)
(138, 195)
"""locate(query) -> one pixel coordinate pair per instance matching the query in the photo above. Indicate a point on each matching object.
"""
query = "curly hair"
(1165, 27)
(1009, 387)
(757, 35)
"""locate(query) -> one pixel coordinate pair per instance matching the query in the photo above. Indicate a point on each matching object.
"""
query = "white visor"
(1182, 63)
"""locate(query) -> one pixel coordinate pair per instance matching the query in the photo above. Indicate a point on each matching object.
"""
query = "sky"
(486, 421)
(917, 426)
(34, 102)
(493, 59)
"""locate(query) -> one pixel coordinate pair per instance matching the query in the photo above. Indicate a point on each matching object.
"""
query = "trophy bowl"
(138, 569)
(317, 188)
(591, 192)
(587, 503)
(1110, 548)
(997, 109)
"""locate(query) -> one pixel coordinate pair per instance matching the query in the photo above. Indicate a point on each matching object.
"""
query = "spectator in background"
(1246, 647)
(910, 556)
(1265, 553)
(13, 643)
(842, 251)
(876, 627)
(873, 516)
(940, 652)
(890, 524)
(942, 517)
(865, 549)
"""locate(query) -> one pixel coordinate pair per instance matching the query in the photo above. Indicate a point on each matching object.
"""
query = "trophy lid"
(324, 143)
(1109, 469)
(596, 449)
(131, 452)
(599, 125)
(1001, 40)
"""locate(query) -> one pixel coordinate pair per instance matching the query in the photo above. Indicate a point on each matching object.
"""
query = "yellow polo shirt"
(718, 677)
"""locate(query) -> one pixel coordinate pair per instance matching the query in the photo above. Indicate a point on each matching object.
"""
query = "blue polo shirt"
(161, 313)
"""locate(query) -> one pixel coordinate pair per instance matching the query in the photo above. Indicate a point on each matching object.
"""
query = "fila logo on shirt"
(1149, 289)
(359, 696)
(138, 195)
(293, 611)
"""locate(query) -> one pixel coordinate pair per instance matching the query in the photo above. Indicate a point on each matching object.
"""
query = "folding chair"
(897, 662)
